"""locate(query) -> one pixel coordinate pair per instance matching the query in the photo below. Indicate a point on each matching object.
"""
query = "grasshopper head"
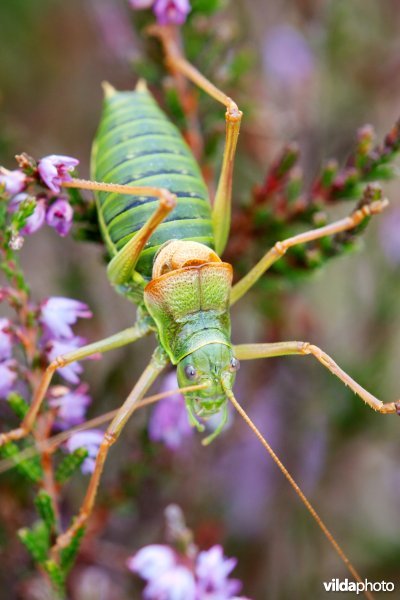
(210, 365)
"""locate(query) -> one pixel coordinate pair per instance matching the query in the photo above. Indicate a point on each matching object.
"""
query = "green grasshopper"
(165, 241)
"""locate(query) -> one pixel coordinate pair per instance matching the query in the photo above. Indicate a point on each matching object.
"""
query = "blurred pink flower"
(6, 340)
(168, 12)
(114, 28)
(287, 56)
(212, 571)
(389, 235)
(58, 313)
(151, 561)
(55, 169)
(7, 377)
(175, 584)
(55, 348)
(71, 406)
(91, 440)
(60, 216)
(172, 576)
(171, 12)
(169, 420)
(13, 181)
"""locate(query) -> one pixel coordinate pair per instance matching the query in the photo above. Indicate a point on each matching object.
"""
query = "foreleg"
(115, 341)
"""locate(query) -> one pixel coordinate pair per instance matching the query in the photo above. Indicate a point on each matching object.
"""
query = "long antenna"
(297, 489)
(56, 440)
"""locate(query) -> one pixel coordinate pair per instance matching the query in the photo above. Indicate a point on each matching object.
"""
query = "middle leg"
(280, 248)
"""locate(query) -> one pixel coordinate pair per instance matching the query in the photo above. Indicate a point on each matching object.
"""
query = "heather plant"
(280, 201)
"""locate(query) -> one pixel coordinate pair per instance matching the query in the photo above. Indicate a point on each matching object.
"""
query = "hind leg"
(177, 63)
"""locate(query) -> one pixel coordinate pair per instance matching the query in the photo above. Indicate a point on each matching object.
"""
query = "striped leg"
(176, 62)
(121, 267)
(157, 364)
(252, 351)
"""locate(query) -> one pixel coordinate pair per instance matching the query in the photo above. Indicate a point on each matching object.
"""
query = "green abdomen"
(136, 144)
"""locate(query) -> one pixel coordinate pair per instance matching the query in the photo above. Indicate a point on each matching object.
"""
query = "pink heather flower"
(37, 218)
(71, 406)
(166, 579)
(152, 561)
(7, 377)
(5, 339)
(170, 576)
(13, 181)
(171, 12)
(212, 570)
(55, 348)
(169, 421)
(58, 313)
(55, 169)
(176, 584)
(60, 216)
(91, 440)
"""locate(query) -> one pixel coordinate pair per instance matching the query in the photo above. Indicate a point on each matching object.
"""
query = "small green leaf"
(36, 540)
(68, 554)
(44, 506)
(207, 7)
(18, 404)
(57, 578)
(30, 468)
(70, 464)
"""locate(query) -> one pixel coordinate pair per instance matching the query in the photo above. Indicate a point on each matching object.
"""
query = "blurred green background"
(341, 70)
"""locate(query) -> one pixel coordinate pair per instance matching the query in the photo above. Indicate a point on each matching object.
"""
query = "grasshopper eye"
(234, 365)
(190, 372)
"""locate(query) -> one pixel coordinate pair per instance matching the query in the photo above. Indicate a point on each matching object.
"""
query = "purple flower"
(55, 169)
(71, 406)
(60, 216)
(171, 12)
(5, 339)
(152, 561)
(170, 576)
(169, 421)
(55, 348)
(288, 57)
(37, 218)
(7, 377)
(168, 12)
(58, 313)
(212, 570)
(389, 235)
(175, 584)
(114, 28)
(91, 440)
(13, 181)
(166, 578)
